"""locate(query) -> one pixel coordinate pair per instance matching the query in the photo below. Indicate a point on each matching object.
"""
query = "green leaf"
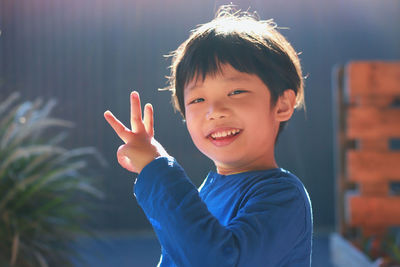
(39, 183)
(25, 152)
(40, 125)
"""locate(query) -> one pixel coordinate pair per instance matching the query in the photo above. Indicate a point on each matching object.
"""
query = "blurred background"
(90, 54)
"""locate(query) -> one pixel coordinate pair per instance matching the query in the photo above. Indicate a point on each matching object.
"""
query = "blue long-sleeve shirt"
(257, 218)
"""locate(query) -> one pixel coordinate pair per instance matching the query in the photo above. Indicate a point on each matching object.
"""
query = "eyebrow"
(237, 78)
(233, 78)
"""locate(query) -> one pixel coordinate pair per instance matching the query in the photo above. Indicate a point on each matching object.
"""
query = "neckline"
(215, 174)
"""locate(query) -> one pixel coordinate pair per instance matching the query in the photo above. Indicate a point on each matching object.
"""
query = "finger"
(148, 119)
(123, 158)
(124, 133)
(136, 113)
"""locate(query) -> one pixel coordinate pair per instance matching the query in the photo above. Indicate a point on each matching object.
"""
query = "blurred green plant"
(45, 193)
(386, 248)
(391, 247)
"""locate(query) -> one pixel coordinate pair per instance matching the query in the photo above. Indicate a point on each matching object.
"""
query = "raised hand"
(140, 147)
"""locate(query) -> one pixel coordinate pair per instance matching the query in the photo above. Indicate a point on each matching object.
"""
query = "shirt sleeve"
(264, 233)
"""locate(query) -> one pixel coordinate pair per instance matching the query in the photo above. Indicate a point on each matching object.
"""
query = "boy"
(236, 81)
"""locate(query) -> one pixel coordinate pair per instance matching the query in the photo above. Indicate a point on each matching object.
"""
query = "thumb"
(124, 160)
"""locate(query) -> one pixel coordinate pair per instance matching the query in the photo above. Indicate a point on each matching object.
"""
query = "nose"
(217, 110)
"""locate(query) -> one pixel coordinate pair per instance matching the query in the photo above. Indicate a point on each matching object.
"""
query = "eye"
(237, 92)
(197, 100)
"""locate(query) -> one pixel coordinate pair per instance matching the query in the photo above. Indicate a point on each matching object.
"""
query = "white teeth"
(224, 133)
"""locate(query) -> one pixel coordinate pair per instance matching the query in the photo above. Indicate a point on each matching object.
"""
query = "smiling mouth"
(224, 134)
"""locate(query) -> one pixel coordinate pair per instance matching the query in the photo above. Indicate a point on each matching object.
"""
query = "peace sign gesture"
(140, 147)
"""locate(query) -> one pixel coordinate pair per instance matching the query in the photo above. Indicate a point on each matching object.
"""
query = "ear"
(284, 107)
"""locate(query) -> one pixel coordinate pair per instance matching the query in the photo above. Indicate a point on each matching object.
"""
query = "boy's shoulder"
(277, 180)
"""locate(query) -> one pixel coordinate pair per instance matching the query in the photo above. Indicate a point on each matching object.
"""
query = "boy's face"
(231, 121)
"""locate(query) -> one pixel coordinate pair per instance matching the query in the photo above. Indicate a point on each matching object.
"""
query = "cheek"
(192, 128)
(196, 133)
(189, 127)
